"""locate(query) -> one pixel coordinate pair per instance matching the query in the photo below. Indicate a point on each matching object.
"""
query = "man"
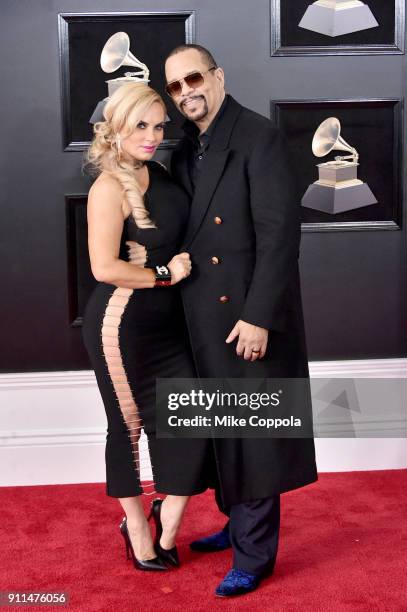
(242, 301)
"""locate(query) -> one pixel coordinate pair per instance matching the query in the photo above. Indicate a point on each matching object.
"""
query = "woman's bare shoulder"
(106, 187)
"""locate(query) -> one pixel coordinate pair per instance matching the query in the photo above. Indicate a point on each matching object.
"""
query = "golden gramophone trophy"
(338, 188)
(338, 17)
(116, 53)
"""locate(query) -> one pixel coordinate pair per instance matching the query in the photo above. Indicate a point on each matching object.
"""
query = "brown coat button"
(224, 299)
(215, 260)
(218, 220)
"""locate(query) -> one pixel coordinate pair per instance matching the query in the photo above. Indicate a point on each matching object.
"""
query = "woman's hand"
(180, 267)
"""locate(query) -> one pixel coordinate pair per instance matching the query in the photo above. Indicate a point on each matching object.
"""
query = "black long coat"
(245, 212)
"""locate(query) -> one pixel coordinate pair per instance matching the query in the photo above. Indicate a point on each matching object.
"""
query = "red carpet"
(343, 546)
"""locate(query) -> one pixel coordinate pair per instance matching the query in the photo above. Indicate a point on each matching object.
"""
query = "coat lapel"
(212, 170)
(211, 173)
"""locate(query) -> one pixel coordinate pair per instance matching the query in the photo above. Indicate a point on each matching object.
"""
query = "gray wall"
(354, 287)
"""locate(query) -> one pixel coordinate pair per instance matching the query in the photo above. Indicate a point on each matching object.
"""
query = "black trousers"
(254, 528)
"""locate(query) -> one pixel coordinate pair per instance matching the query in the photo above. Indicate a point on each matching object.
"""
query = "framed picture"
(337, 27)
(366, 195)
(80, 278)
(83, 82)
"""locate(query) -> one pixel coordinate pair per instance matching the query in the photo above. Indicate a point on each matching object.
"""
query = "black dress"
(134, 336)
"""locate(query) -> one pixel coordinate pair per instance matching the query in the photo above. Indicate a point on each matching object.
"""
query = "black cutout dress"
(134, 336)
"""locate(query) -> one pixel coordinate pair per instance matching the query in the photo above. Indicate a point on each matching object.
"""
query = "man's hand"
(252, 343)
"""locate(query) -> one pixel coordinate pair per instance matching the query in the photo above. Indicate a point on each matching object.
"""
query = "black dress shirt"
(200, 143)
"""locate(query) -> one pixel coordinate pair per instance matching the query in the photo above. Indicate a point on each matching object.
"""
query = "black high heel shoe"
(169, 556)
(155, 564)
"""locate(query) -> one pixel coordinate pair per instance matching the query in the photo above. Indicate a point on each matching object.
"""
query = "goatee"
(193, 117)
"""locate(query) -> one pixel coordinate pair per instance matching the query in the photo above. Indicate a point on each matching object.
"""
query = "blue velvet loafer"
(213, 543)
(237, 582)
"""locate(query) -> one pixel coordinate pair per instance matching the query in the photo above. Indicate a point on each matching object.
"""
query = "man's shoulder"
(252, 129)
(251, 119)
(248, 128)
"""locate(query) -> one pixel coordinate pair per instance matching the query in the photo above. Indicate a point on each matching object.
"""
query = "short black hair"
(203, 52)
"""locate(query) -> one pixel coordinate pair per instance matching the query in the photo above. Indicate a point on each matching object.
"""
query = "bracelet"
(162, 276)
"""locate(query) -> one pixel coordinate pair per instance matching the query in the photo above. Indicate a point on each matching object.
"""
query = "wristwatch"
(162, 276)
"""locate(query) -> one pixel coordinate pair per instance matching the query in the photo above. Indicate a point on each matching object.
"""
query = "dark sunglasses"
(194, 80)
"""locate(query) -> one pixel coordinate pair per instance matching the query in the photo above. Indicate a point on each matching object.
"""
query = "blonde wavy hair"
(122, 114)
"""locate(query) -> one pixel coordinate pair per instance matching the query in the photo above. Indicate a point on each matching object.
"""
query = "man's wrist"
(254, 325)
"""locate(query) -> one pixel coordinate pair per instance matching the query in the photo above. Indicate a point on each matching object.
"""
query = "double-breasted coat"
(243, 236)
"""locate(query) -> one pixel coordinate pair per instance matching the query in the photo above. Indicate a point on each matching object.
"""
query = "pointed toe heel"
(170, 557)
(155, 564)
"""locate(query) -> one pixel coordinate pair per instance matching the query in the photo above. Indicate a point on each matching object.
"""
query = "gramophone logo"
(338, 17)
(115, 54)
(337, 189)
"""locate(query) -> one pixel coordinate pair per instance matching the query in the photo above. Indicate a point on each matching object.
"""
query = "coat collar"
(192, 130)
(212, 169)
(222, 126)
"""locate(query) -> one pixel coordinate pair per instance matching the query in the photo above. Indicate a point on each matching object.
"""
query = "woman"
(134, 329)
